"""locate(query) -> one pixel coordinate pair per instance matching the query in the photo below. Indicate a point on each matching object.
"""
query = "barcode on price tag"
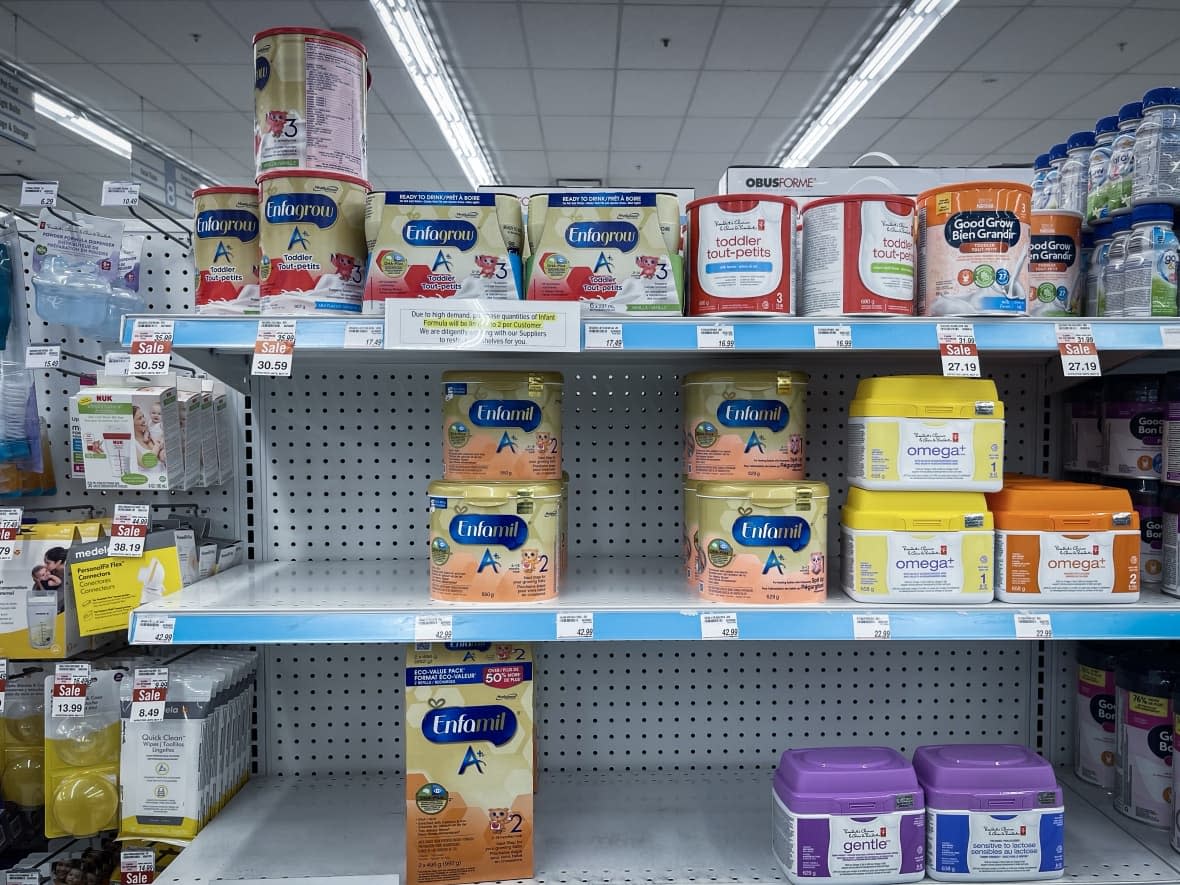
(578, 625)
(1079, 354)
(22, 877)
(70, 681)
(137, 866)
(364, 336)
(432, 628)
(603, 336)
(153, 630)
(956, 345)
(151, 347)
(10, 522)
(129, 528)
(38, 193)
(149, 692)
(871, 627)
(718, 336)
(1033, 627)
(719, 625)
(43, 356)
(3, 682)
(833, 337)
(120, 193)
(274, 348)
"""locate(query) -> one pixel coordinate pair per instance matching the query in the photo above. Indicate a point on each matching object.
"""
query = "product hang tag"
(129, 528)
(43, 356)
(1033, 626)
(120, 193)
(1079, 354)
(38, 193)
(22, 877)
(274, 348)
(956, 346)
(71, 679)
(151, 347)
(603, 336)
(719, 625)
(137, 866)
(717, 336)
(871, 627)
(149, 691)
(579, 625)
(10, 523)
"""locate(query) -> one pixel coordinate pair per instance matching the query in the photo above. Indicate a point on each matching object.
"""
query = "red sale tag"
(149, 691)
(137, 866)
(70, 681)
(956, 345)
(151, 347)
(1079, 353)
(503, 675)
(129, 529)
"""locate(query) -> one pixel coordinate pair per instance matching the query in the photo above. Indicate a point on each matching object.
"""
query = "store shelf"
(638, 827)
(630, 599)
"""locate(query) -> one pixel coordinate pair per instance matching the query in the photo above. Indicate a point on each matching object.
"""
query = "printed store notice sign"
(470, 324)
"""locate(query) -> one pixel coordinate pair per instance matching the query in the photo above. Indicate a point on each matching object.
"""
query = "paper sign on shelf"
(716, 336)
(43, 356)
(1079, 354)
(472, 324)
(719, 625)
(1033, 626)
(149, 691)
(575, 625)
(129, 528)
(603, 336)
(71, 679)
(120, 193)
(153, 630)
(956, 345)
(151, 347)
(10, 523)
(871, 627)
(274, 348)
(38, 193)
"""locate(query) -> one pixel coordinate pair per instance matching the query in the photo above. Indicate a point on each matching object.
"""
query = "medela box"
(469, 763)
(917, 547)
(926, 433)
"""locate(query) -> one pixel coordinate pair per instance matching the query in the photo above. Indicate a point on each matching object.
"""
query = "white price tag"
(274, 348)
(149, 692)
(1079, 354)
(154, 630)
(1033, 627)
(116, 362)
(833, 337)
(38, 193)
(137, 866)
(432, 628)
(129, 528)
(151, 347)
(1170, 337)
(43, 356)
(10, 522)
(603, 336)
(575, 626)
(70, 681)
(718, 336)
(956, 345)
(719, 625)
(364, 336)
(120, 193)
(22, 877)
(3, 682)
(871, 627)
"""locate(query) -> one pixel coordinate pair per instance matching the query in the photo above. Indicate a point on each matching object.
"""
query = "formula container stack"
(755, 531)
(498, 518)
(1170, 484)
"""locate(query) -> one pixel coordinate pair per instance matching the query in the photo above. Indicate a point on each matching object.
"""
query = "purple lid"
(986, 777)
(847, 780)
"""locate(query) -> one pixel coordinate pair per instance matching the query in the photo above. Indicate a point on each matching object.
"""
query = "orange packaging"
(1065, 542)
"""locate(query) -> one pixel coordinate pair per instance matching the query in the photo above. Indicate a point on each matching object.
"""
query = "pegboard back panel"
(338, 710)
(346, 455)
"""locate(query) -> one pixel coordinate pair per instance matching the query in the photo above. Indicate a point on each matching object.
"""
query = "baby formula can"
(1143, 739)
(374, 206)
(1122, 159)
(309, 101)
(1176, 776)
(494, 541)
(745, 424)
(1094, 714)
(226, 250)
(1145, 498)
(921, 547)
(1083, 446)
(502, 425)
(313, 243)
(1055, 278)
(694, 564)
(764, 542)
(1040, 171)
(740, 246)
(994, 813)
(973, 242)
(1132, 426)
(847, 814)
(535, 218)
(1157, 149)
(1096, 272)
(1149, 269)
(858, 256)
(511, 216)
(1098, 191)
(1170, 394)
(1170, 505)
(668, 211)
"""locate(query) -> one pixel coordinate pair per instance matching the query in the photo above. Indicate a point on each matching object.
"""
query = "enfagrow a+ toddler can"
(225, 250)
(1143, 751)
(1094, 714)
(694, 564)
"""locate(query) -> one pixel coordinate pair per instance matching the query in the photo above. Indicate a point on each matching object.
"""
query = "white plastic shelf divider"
(641, 598)
(636, 827)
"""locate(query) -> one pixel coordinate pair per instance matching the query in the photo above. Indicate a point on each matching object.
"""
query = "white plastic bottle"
(1121, 172)
(1112, 276)
(1149, 271)
(1097, 192)
(1040, 171)
(1157, 148)
(1075, 172)
(1095, 295)
(1057, 155)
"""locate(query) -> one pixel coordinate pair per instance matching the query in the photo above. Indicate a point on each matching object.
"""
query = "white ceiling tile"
(936, 159)
(732, 93)
(34, 46)
(644, 93)
(768, 134)
(455, 184)
(1120, 89)
(566, 92)
(910, 139)
(1046, 95)
(1033, 37)
(828, 159)
(383, 133)
(860, 134)
(577, 164)
(635, 165)
(982, 136)
(422, 131)
(90, 30)
(1039, 137)
(510, 132)
(698, 166)
(234, 83)
(480, 35)
(645, 27)
(833, 39)
(713, 134)
(396, 164)
(963, 95)
(393, 89)
(1132, 35)
(644, 133)
(797, 92)
(964, 26)
(571, 36)
(523, 167)
(758, 38)
(576, 133)
(172, 26)
(224, 129)
(442, 163)
(168, 86)
(1162, 62)
(490, 90)
(91, 86)
(900, 93)
(258, 15)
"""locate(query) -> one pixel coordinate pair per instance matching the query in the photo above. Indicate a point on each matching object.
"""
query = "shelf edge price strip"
(151, 347)
(603, 336)
(433, 628)
(38, 193)
(956, 346)
(70, 681)
(149, 693)
(1079, 353)
(1029, 626)
(129, 528)
(43, 356)
(575, 625)
(153, 630)
(274, 348)
(10, 523)
(717, 336)
(137, 866)
(719, 625)
(871, 627)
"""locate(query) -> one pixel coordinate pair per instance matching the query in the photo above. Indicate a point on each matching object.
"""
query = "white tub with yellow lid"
(926, 433)
(923, 547)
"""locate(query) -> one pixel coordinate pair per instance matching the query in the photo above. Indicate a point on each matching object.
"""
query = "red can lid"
(314, 32)
(228, 189)
(312, 173)
(861, 198)
(743, 198)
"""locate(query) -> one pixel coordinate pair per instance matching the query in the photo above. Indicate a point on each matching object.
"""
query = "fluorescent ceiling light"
(406, 27)
(80, 125)
(880, 59)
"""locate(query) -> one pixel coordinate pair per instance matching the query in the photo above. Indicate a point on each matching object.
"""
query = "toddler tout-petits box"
(469, 762)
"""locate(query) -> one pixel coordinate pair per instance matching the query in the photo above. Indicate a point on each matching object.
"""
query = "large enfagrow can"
(225, 250)
(309, 101)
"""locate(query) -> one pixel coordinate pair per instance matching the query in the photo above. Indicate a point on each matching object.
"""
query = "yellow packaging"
(764, 542)
(22, 781)
(494, 541)
(926, 433)
(469, 763)
(917, 547)
(107, 588)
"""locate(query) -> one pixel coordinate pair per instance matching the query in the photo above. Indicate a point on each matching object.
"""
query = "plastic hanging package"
(11, 273)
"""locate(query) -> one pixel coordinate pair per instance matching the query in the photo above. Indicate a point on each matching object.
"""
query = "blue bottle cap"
(1131, 111)
(1042, 162)
(1152, 212)
(1106, 125)
(1083, 139)
(1119, 224)
(1162, 95)
(1058, 152)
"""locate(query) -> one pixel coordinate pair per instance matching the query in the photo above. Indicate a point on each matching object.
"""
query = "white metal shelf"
(631, 598)
(617, 827)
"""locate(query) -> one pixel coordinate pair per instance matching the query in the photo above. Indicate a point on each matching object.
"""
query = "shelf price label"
(717, 336)
(129, 528)
(1170, 337)
(274, 348)
(832, 337)
(719, 625)
(956, 345)
(137, 866)
(70, 681)
(43, 356)
(3, 682)
(1079, 354)
(151, 347)
(149, 692)
(1033, 626)
(22, 877)
(364, 336)
(603, 336)
(10, 523)
(120, 193)
(871, 627)
(116, 362)
(38, 193)
(579, 625)
(153, 630)
(433, 628)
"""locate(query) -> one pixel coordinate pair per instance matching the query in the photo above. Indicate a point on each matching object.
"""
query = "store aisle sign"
(470, 324)
(162, 180)
(16, 114)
